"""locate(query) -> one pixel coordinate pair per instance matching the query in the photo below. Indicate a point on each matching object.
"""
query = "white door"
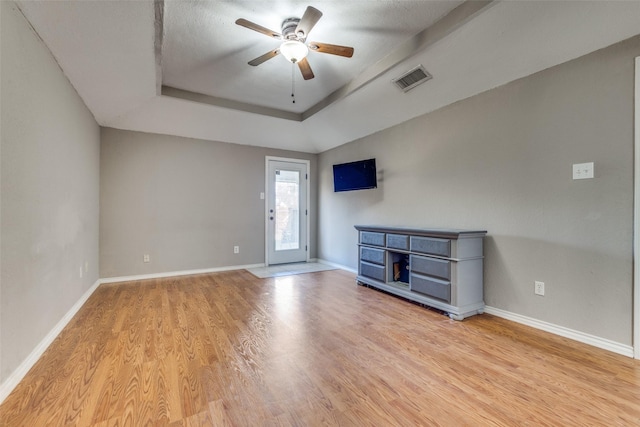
(286, 211)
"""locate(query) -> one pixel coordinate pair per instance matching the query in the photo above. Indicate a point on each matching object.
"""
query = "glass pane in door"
(287, 218)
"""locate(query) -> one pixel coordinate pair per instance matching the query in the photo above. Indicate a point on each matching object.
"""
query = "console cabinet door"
(372, 270)
(372, 238)
(372, 255)
(431, 286)
(431, 246)
(398, 241)
(440, 268)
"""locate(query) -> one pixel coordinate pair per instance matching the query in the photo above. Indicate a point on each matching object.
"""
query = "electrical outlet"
(236, 249)
(146, 258)
(538, 288)
(583, 170)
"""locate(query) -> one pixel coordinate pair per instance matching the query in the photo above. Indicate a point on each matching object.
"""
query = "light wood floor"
(228, 349)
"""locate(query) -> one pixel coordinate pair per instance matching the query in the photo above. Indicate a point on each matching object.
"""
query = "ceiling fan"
(294, 35)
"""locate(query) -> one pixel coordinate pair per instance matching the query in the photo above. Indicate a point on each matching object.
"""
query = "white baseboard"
(16, 376)
(603, 343)
(336, 265)
(177, 273)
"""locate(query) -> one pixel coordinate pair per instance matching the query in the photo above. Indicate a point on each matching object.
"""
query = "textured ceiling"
(194, 80)
(204, 51)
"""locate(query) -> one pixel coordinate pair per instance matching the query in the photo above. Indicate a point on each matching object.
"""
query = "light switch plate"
(583, 170)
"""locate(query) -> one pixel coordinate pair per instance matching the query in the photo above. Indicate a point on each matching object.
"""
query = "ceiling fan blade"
(305, 69)
(332, 49)
(260, 59)
(309, 19)
(259, 28)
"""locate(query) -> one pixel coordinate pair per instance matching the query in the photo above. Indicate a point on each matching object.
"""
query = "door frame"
(636, 215)
(267, 159)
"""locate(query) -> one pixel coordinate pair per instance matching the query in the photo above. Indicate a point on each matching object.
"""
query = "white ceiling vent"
(412, 78)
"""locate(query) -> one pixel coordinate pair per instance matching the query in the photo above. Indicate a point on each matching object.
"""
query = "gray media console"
(441, 268)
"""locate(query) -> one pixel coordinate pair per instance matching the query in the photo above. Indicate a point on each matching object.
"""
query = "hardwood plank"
(228, 349)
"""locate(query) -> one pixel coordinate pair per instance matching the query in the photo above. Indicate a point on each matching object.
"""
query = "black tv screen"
(358, 175)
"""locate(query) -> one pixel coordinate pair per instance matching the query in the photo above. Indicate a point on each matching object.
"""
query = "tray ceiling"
(180, 67)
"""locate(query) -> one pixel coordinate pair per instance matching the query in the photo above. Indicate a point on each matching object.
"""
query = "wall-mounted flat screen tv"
(358, 175)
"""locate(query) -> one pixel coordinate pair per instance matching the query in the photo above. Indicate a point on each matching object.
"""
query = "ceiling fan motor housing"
(289, 26)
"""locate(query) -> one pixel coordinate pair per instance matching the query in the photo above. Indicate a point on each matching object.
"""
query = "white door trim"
(636, 216)
(267, 159)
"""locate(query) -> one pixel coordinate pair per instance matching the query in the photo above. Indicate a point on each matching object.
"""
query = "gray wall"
(49, 200)
(502, 161)
(185, 202)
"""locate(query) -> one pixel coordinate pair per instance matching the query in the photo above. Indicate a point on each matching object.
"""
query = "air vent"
(412, 78)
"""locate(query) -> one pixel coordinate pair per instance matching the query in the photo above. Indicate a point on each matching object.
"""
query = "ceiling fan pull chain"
(293, 85)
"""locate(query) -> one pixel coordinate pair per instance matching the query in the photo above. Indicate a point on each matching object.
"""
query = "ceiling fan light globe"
(294, 50)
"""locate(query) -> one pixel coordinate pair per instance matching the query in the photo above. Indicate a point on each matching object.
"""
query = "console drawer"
(372, 270)
(398, 241)
(372, 255)
(431, 266)
(372, 238)
(431, 245)
(430, 286)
